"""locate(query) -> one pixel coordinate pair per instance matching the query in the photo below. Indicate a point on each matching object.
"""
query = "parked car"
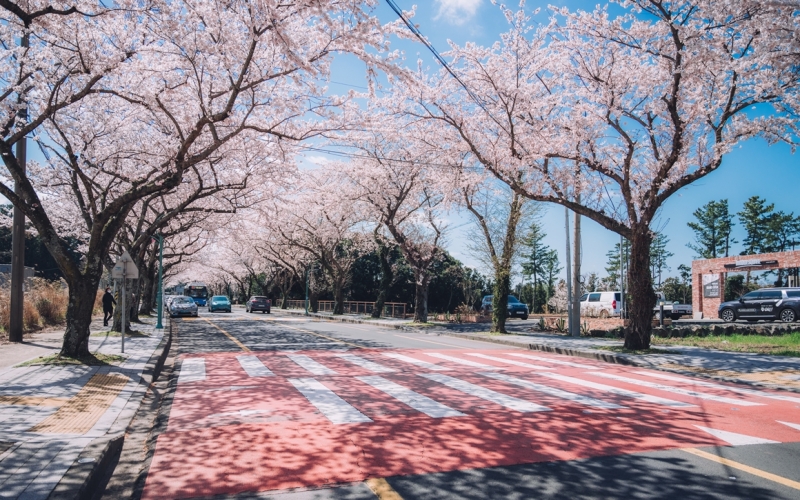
(515, 307)
(602, 304)
(672, 309)
(167, 300)
(182, 306)
(219, 303)
(766, 304)
(258, 303)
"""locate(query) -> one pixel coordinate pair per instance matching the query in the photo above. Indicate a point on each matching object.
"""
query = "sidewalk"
(56, 422)
(777, 372)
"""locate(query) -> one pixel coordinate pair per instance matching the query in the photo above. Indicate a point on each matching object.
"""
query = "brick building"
(708, 276)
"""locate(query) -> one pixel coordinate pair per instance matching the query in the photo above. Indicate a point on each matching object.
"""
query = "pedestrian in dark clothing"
(108, 306)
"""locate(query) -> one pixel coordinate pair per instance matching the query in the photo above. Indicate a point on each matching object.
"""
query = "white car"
(182, 306)
(601, 304)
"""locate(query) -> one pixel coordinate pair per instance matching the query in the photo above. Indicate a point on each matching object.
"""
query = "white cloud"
(457, 12)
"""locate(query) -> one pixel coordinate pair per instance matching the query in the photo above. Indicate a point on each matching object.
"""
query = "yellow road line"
(742, 467)
(234, 339)
(382, 489)
(312, 333)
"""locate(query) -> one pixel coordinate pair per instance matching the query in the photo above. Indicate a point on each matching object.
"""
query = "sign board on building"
(125, 263)
(711, 285)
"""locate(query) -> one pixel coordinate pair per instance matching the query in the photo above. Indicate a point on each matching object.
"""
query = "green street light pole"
(306, 291)
(160, 296)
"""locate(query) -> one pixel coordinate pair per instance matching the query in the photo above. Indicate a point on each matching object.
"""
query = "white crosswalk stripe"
(311, 365)
(676, 390)
(366, 364)
(414, 361)
(616, 390)
(465, 362)
(335, 409)
(749, 392)
(510, 361)
(192, 370)
(571, 396)
(254, 367)
(498, 398)
(421, 403)
(554, 361)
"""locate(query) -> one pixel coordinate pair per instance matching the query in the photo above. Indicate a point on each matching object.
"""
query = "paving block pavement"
(56, 421)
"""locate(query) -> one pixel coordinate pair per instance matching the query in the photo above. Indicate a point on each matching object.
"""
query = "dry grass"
(45, 304)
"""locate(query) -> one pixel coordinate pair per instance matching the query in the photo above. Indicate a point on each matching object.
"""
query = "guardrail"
(390, 309)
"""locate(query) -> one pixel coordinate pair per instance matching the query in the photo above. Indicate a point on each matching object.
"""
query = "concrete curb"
(324, 317)
(84, 480)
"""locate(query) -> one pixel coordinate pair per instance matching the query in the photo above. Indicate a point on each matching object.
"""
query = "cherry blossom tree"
(612, 115)
(136, 97)
(396, 181)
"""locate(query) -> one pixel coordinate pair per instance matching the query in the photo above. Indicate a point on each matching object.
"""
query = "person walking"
(108, 306)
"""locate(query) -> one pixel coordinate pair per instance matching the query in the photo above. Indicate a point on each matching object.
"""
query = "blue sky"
(753, 169)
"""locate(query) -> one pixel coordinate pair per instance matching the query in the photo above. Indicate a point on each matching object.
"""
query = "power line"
(435, 53)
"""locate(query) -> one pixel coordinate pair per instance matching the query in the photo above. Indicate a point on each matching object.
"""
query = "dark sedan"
(258, 303)
(515, 307)
(767, 304)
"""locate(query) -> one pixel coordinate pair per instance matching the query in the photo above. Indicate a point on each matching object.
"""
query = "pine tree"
(611, 281)
(551, 269)
(756, 218)
(712, 230)
(659, 255)
(536, 258)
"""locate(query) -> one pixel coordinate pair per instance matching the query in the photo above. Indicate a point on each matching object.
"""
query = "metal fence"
(390, 309)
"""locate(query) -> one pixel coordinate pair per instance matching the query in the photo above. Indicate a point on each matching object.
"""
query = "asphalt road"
(277, 406)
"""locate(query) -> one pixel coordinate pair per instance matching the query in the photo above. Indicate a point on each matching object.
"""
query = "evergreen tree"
(552, 267)
(659, 255)
(757, 220)
(611, 281)
(536, 257)
(712, 230)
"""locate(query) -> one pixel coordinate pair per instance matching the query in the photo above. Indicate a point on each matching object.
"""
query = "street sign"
(125, 265)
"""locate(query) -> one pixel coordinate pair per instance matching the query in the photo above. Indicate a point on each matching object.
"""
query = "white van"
(601, 304)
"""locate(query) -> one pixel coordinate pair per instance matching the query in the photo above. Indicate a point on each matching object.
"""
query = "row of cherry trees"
(185, 118)
(151, 113)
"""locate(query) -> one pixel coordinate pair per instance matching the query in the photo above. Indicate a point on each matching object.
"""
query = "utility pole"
(575, 330)
(18, 234)
(569, 276)
(160, 295)
(621, 277)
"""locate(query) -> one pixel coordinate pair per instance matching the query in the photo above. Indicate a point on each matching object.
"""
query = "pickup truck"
(673, 310)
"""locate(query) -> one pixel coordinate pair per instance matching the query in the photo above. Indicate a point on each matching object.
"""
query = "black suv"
(258, 303)
(515, 307)
(769, 304)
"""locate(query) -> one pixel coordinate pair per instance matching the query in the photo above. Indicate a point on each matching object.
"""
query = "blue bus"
(198, 291)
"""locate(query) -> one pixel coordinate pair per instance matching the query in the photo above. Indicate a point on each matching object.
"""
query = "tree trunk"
(146, 297)
(387, 276)
(502, 282)
(136, 287)
(338, 296)
(640, 289)
(82, 296)
(313, 301)
(421, 300)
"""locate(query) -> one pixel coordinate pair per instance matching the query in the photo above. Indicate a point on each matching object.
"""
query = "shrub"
(50, 299)
(30, 317)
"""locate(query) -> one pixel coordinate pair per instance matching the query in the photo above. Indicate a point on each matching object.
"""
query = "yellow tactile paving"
(32, 401)
(79, 414)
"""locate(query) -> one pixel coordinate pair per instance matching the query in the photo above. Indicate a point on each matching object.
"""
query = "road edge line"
(742, 467)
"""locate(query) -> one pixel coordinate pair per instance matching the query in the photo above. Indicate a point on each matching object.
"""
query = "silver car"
(182, 306)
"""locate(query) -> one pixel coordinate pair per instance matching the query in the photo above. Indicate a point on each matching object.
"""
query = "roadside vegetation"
(781, 345)
(96, 359)
(45, 305)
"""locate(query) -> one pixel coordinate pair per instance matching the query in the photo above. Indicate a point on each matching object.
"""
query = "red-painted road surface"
(277, 420)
